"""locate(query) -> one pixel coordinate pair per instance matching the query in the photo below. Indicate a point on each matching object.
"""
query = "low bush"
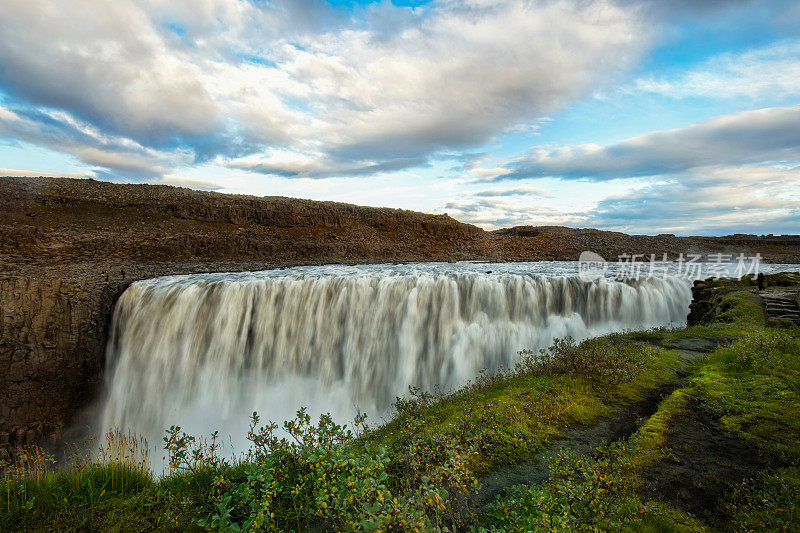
(320, 474)
(604, 360)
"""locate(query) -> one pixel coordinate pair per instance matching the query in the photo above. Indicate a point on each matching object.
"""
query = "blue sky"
(640, 116)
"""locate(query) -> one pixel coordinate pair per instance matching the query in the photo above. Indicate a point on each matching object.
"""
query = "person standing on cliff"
(760, 281)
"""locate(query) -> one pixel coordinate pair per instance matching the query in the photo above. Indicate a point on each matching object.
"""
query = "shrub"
(321, 474)
(768, 503)
(604, 360)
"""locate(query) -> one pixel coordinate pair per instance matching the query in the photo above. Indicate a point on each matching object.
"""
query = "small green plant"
(415, 401)
(191, 454)
(767, 503)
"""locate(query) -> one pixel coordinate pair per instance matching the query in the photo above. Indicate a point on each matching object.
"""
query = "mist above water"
(205, 351)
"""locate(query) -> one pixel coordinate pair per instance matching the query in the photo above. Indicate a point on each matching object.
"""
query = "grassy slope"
(392, 476)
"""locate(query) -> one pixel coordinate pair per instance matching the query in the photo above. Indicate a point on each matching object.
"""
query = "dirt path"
(704, 461)
(582, 439)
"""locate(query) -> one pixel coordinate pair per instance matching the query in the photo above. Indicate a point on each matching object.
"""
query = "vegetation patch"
(753, 387)
(585, 493)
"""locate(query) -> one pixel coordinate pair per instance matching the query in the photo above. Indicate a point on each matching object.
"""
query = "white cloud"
(495, 213)
(288, 163)
(749, 137)
(501, 207)
(719, 200)
(232, 78)
(772, 72)
(711, 201)
(60, 132)
(738, 172)
(292, 88)
(107, 62)
(516, 191)
(463, 72)
(32, 174)
(192, 183)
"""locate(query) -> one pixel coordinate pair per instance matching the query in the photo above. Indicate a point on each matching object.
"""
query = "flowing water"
(205, 351)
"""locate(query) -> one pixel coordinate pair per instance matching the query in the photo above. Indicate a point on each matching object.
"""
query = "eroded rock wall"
(52, 339)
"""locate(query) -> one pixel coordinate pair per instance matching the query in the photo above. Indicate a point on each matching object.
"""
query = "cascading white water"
(205, 351)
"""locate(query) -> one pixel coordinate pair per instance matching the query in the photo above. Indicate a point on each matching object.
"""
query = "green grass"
(754, 388)
(767, 503)
(593, 493)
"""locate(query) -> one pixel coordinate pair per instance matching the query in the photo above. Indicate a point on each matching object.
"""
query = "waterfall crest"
(204, 352)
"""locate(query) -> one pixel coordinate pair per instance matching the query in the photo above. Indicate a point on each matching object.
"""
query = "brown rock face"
(69, 248)
(52, 334)
(86, 220)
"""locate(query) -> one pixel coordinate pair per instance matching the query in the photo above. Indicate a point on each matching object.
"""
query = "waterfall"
(205, 351)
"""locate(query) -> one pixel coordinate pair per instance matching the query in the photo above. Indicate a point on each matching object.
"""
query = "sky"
(640, 116)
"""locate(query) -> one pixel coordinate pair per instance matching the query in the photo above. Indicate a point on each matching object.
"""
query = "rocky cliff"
(779, 298)
(52, 334)
(81, 219)
(69, 247)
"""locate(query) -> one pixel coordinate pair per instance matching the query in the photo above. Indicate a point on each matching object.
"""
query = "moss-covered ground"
(719, 450)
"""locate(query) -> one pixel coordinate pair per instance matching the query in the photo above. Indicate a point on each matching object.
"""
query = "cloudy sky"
(619, 114)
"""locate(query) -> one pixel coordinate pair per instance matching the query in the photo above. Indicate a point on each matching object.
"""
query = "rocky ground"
(69, 248)
(63, 223)
(782, 305)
